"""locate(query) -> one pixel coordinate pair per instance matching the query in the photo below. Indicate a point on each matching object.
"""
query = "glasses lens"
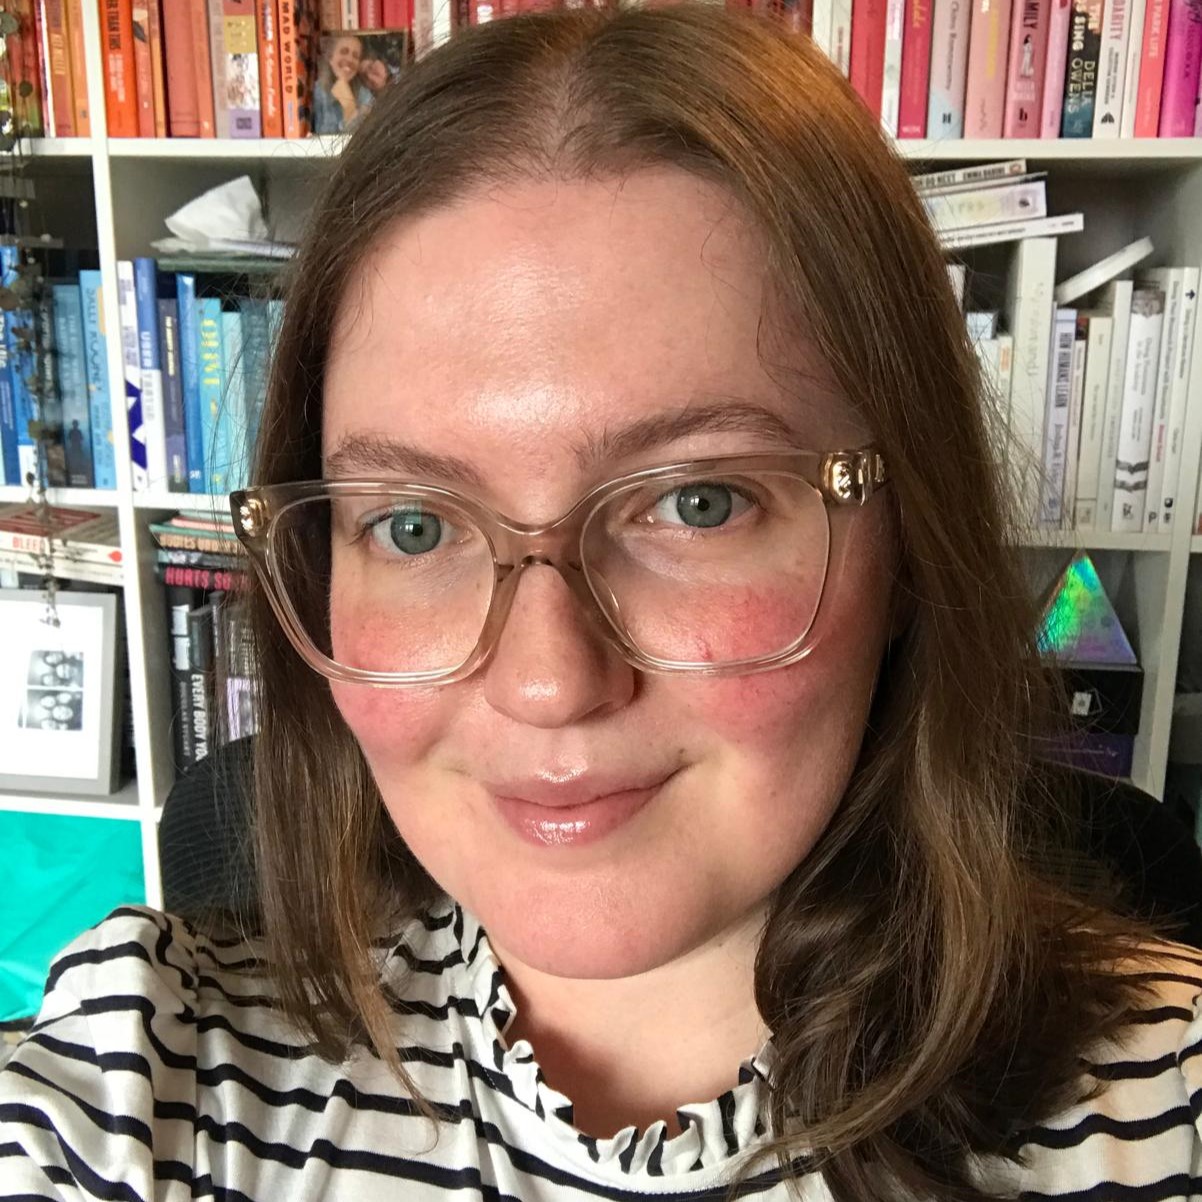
(709, 571)
(387, 582)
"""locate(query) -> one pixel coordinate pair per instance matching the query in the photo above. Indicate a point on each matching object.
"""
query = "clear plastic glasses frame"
(838, 478)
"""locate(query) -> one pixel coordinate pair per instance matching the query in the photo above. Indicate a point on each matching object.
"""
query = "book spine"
(1151, 70)
(1118, 304)
(1030, 308)
(180, 601)
(1012, 231)
(73, 384)
(987, 206)
(58, 47)
(151, 367)
(189, 370)
(18, 333)
(949, 69)
(1081, 76)
(1135, 422)
(1055, 68)
(895, 25)
(203, 67)
(8, 413)
(104, 464)
(395, 15)
(76, 60)
(985, 95)
(23, 51)
(330, 15)
(217, 68)
(1182, 70)
(821, 16)
(370, 14)
(937, 181)
(1112, 68)
(841, 26)
(120, 89)
(200, 677)
(1131, 65)
(173, 395)
(297, 64)
(1180, 399)
(256, 360)
(202, 578)
(241, 74)
(212, 388)
(173, 538)
(350, 14)
(183, 107)
(868, 52)
(1056, 427)
(127, 309)
(1098, 331)
(1075, 404)
(1172, 280)
(225, 562)
(158, 83)
(1028, 61)
(47, 399)
(143, 70)
(233, 410)
(270, 106)
(915, 70)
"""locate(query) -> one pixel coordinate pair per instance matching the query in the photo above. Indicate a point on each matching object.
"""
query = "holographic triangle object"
(1079, 623)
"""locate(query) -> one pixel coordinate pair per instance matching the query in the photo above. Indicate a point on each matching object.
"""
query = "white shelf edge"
(1096, 540)
(1122, 150)
(122, 804)
(70, 497)
(272, 149)
(54, 148)
(159, 498)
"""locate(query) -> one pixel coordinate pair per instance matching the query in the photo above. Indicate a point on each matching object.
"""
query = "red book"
(868, 52)
(143, 72)
(298, 34)
(395, 14)
(120, 98)
(77, 59)
(915, 70)
(1029, 23)
(183, 107)
(158, 83)
(270, 105)
(202, 58)
(1151, 70)
(371, 15)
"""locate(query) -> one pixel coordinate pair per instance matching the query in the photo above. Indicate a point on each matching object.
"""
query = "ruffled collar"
(712, 1133)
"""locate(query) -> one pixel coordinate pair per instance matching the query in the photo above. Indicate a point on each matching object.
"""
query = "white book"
(1056, 422)
(821, 22)
(1135, 421)
(1100, 328)
(957, 274)
(949, 69)
(1012, 231)
(841, 36)
(1075, 404)
(131, 362)
(1135, 46)
(996, 357)
(1180, 398)
(1112, 69)
(1115, 299)
(1029, 309)
(1172, 280)
(895, 24)
(989, 205)
(960, 176)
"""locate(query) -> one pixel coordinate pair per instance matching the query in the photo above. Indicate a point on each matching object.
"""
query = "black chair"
(207, 862)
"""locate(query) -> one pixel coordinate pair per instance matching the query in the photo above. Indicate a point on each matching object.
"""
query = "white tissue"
(226, 219)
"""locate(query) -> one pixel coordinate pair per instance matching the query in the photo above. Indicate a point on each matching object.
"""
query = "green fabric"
(60, 876)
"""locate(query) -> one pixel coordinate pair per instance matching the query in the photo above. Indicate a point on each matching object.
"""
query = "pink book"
(985, 101)
(1055, 68)
(868, 52)
(1182, 70)
(1028, 62)
(1151, 70)
(916, 70)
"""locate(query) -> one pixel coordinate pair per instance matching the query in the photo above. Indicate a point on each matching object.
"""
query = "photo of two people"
(353, 68)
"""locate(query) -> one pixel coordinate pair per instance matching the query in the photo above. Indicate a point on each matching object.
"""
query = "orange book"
(143, 75)
(21, 49)
(120, 98)
(77, 60)
(62, 102)
(157, 86)
(297, 25)
(330, 15)
(269, 71)
(183, 108)
(203, 64)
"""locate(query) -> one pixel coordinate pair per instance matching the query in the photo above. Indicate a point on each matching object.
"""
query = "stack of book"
(80, 544)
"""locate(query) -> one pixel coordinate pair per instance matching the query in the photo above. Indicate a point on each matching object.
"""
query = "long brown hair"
(928, 988)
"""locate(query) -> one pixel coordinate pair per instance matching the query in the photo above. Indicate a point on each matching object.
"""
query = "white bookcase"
(115, 194)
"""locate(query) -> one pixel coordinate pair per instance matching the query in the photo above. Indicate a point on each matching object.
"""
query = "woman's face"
(344, 57)
(374, 72)
(519, 331)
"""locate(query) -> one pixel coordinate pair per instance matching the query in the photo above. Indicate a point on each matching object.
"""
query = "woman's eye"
(408, 531)
(700, 506)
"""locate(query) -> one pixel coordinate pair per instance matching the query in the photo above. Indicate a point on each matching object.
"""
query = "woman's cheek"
(395, 727)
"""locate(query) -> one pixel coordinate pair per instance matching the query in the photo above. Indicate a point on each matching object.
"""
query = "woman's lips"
(561, 824)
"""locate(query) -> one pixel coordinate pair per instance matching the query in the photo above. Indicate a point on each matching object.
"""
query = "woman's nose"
(551, 666)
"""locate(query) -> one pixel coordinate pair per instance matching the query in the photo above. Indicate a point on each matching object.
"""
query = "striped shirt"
(153, 1071)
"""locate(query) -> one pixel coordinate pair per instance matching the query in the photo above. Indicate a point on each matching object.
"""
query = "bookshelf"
(117, 192)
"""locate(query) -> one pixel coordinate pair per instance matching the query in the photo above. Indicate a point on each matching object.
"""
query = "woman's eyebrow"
(358, 454)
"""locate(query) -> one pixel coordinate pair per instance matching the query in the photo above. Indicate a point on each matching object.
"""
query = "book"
(19, 368)
(1081, 75)
(203, 578)
(217, 67)
(839, 53)
(1146, 118)
(158, 74)
(200, 676)
(1023, 199)
(174, 431)
(150, 364)
(183, 103)
(1012, 231)
(1172, 281)
(1135, 419)
(1112, 68)
(180, 538)
(131, 361)
(240, 44)
(296, 25)
(48, 404)
(104, 465)
(949, 69)
(233, 411)
(1055, 68)
(1026, 68)
(9, 458)
(54, 18)
(867, 69)
(76, 535)
(1075, 404)
(1098, 329)
(76, 61)
(270, 97)
(960, 177)
(189, 368)
(1029, 310)
(73, 384)
(895, 25)
(181, 601)
(143, 71)
(1114, 300)
(212, 384)
(1179, 400)
(1182, 70)
(1056, 417)
(915, 70)
(988, 48)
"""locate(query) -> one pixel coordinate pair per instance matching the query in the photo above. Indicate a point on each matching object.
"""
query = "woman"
(340, 97)
(644, 788)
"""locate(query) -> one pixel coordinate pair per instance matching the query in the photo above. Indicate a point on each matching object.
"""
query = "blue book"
(173, 395)
(146, 292)
(233, 412)
(21, 366)
(96, 373)
(212, 388)
(10, 467)
(189, 377)
(256, 359)
(73, 385)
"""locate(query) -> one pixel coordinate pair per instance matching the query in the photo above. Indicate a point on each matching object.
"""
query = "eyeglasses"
(713, 566)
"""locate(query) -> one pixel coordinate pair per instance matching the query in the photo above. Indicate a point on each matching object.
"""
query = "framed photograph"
(59, 727)
(353, 68)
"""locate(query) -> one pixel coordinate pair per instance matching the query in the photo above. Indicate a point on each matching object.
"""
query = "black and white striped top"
(153, 1072)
